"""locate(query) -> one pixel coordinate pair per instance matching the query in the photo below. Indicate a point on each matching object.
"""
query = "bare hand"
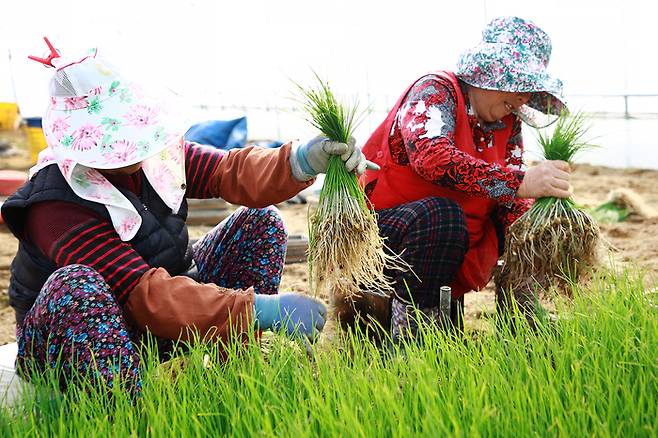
(549, 178)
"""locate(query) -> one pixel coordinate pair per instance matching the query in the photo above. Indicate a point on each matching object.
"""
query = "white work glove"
(307, 160)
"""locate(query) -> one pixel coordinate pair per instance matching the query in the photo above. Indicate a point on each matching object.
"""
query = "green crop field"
(593, 372)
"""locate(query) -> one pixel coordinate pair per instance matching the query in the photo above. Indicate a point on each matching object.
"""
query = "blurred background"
(224, 60)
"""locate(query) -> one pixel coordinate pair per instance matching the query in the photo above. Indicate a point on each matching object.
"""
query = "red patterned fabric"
(426, 147)
(436, 158)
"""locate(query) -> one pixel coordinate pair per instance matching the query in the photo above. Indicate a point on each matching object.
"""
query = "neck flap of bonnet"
(98, 120)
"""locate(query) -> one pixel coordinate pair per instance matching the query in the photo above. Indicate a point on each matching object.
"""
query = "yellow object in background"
(36, 141)
(9, 116)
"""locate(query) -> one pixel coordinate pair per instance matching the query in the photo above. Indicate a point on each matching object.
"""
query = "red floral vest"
(398, 184)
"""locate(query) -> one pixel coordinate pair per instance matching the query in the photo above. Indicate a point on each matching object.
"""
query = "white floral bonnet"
(98, 120)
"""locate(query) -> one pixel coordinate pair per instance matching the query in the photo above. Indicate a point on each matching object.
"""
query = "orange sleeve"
(180, 308)
(256, 177)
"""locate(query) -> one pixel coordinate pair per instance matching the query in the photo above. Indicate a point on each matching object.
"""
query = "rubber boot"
(405, 318)
(525, 298)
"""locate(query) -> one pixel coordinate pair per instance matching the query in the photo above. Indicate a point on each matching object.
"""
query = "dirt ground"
(633, 242)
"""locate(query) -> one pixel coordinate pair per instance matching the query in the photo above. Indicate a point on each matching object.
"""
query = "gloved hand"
(548, 178)
(293, 313)
(312, 158)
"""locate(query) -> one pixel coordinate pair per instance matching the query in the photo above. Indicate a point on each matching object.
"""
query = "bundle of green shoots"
(554, 243)
(346, 252)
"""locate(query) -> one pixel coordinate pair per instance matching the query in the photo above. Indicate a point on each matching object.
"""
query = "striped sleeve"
(96, 244)
(200, 164)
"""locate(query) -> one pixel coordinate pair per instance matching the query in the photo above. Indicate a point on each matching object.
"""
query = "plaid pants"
(431, 236)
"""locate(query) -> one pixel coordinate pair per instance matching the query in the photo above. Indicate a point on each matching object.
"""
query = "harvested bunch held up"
(554, 243)
(345, 252)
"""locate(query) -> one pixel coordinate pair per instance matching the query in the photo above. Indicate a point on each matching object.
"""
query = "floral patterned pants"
(76, 326)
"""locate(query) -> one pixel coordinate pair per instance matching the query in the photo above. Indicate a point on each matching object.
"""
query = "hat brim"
(488, 66)
(111, 130)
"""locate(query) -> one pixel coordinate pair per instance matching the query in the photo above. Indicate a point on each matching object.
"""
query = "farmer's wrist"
(301, 169)
(266, 311)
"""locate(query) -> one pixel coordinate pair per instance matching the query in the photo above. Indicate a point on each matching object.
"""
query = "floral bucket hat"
(98, 120)
(513, 56)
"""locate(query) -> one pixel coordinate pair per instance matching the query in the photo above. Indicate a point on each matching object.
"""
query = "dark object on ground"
(11, 180)
(297, 247)
(207, 211)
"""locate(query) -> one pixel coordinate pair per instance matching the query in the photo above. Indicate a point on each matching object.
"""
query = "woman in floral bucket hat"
(451, 178)
(104, 253)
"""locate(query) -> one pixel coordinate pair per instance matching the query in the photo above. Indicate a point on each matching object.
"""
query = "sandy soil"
(633, 242)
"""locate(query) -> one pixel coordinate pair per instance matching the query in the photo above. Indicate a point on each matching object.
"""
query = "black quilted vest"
(162, 240)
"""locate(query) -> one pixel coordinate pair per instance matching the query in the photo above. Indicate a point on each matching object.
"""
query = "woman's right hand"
(549, 178)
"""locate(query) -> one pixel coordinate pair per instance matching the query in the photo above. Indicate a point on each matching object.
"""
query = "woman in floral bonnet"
(104, 254)
(452, 178)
